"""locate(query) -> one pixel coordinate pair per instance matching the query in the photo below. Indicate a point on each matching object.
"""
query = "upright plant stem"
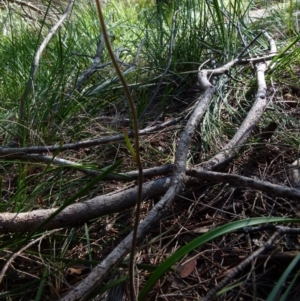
(137, 148)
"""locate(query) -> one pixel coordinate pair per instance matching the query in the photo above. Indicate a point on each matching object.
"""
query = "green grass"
(57, 113)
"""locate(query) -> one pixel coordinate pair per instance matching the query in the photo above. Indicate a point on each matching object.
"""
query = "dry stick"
(100, 272)
(127, 176)
(87, 74)
(234, 271)
(116, 202)
(240, 181)
(252, 118)
(235, 144)
(30, 83)
(237, 61)
(85, 288)
(137, 156)
(15, 255)
(268, 227)
(291, 192)
(132, 67)
(30, 6)
(124, 243)
(6, 151)
(203, 81)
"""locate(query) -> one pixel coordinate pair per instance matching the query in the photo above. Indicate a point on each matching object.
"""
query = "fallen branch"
(94, 280)
(116, 202)
(244, 182)
(97, 210)
(94, 208)
(127, 176)
(6, 151)
(258, 108)
(99, 273)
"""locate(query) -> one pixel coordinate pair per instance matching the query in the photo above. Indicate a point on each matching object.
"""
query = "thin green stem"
(137, 148)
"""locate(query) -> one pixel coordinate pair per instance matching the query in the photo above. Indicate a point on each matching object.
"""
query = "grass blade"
(196, 243)
(278, 287)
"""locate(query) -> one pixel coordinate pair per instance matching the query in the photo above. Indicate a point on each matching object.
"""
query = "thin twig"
(6, 151)
(15, 255)
(124, 177)
(234, 271)
(30, 83)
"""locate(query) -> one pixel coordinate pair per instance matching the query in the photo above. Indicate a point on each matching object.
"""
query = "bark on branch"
(9, 151)
(95, 278)
(80, 213)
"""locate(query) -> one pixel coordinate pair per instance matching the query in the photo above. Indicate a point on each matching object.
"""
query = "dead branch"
(7, 151)
(30, 83)
(127, 176)
(240, 181)
(80, 213)
(111, 203)
(86, 75)
(95, 278)
(258, 108)
(96, 66)
(66, 218)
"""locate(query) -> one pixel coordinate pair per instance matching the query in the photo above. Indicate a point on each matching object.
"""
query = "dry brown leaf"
(78, 270)
(188, 267)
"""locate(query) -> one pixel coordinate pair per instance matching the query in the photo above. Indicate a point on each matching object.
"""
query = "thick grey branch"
(80, 213)
(102, 205)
